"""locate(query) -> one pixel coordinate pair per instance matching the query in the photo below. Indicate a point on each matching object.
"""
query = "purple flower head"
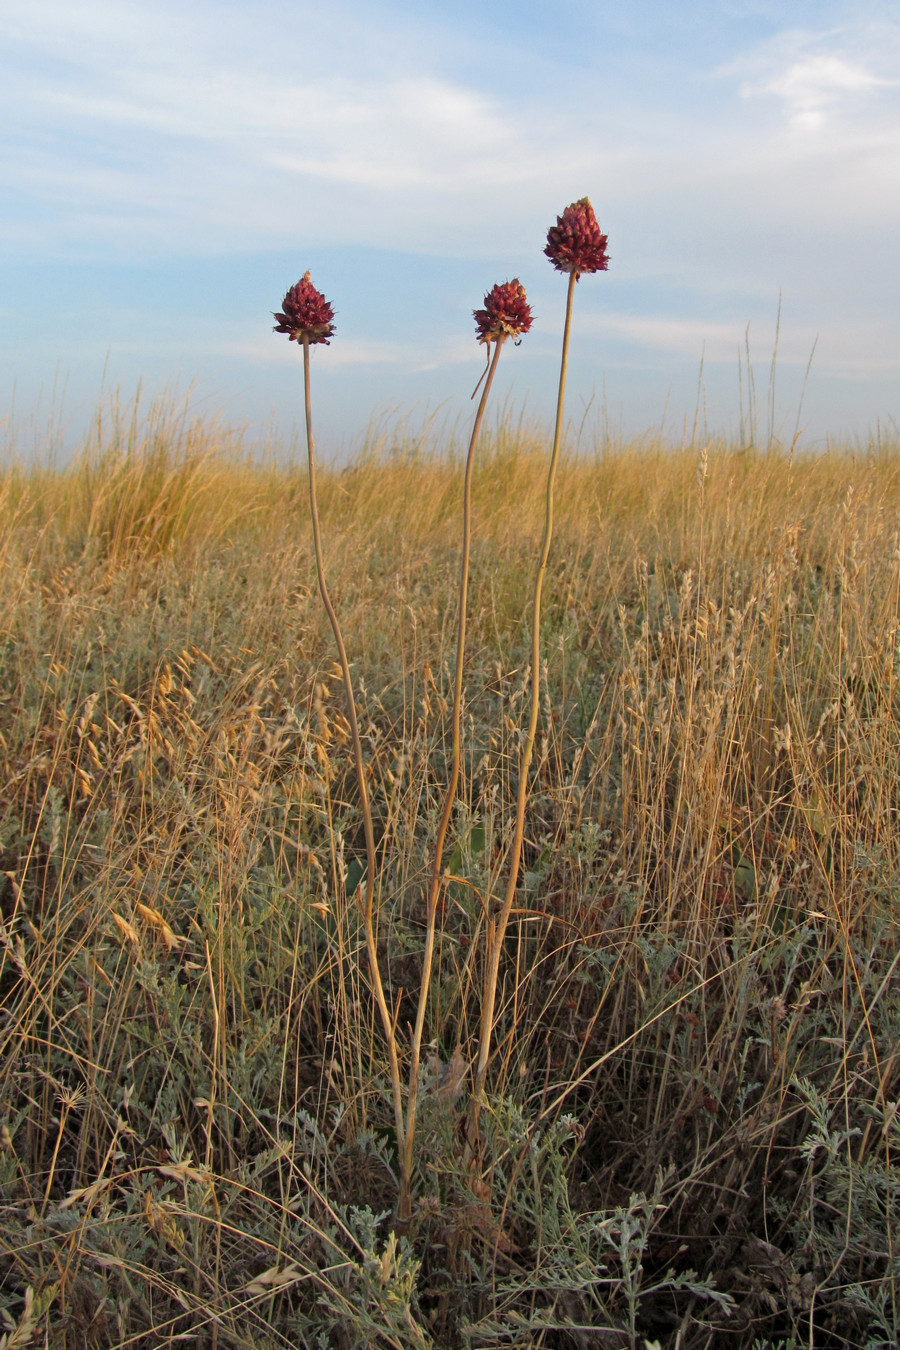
(574, 243)
(306, 314)
(506, 313)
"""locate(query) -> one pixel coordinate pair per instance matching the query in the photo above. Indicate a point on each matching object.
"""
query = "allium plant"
(574, 245)
(506, 314)
(307, 318)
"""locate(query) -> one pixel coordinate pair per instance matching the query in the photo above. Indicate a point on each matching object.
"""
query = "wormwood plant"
(575, 246)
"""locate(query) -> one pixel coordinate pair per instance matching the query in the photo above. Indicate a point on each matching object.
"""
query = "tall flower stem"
(497, 927)
(434, 889)
(367, 905)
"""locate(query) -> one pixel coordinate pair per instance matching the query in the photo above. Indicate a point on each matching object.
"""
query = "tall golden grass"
(695, 1064)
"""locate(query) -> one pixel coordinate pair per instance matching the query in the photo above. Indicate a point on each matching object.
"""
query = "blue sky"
(168, 171)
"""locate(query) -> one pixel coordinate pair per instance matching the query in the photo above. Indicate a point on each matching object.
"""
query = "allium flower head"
(506, 313)
(574, 243)
(306, 314)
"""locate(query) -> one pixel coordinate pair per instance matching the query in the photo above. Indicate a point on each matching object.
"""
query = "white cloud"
(683, 337)
(349, 352)
(822, 77)
(199, 141)
(147, 129)
(813, 85)
(856, 348)
(231, 341)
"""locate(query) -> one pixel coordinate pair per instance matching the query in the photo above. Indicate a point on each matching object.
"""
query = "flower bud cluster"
(306, 314)
(574, 243)
(506, 313)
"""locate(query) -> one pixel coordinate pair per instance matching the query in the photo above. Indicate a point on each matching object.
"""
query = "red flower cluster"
(306, 314)
(574, 243)
(506, 313)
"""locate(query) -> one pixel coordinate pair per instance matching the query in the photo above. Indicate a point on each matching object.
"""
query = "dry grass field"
(690, 1131)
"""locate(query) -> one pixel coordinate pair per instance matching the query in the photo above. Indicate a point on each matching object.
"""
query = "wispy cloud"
(814, 85)
(155, 135)
(691, 338)
(185, 126)
(149, 126)
(856, 348)
(350, 353)
(820, 77)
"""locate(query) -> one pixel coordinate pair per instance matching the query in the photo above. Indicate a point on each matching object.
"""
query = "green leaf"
(745, 879)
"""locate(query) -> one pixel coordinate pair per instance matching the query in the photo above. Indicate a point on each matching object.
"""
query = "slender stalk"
(404, 1211)
(368, 903)
(497, 929)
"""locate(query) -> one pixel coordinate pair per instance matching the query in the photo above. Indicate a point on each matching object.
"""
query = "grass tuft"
(689, 1131)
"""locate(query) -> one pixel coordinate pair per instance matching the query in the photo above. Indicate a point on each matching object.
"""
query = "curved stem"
(449, 800)
(497, 930)
(368, 903)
